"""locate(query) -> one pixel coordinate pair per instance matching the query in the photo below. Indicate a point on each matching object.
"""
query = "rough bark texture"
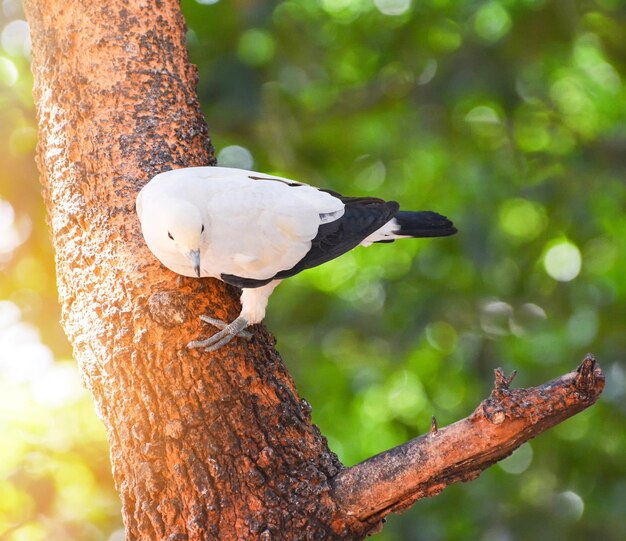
(393, 480)
(203, 446)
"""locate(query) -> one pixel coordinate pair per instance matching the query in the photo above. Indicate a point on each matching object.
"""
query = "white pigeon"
(252, 230)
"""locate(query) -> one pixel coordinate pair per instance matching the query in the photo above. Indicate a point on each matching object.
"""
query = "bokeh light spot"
(75, 483)
(22, 356)
(9, 236)
(495, 317)
(569, 94)
(442, 336)
(445, 36)
(483, 114)
(428, 73)
(235, 156)
(345, 10)
(615, 390)
(588, 56)
(492, 21)
(256, 47)
(538, 486)
(335, 276)
(532, 130)
(23, 140)
(519, 461)
(58, 385)
(563, 261)
(583, 326)
(497, 532)
(293, 79)
(16, 38)
(574, 429)
(392, 7)
(372, 176)
(30, 532)
(522, 219)
(569, 505)
(405, 396)
(375, 408)
(8, 72)
(12, 8)
(118, 535)
(527, 318)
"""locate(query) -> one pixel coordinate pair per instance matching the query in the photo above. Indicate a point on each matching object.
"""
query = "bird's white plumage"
(252, 230)
(255, 225)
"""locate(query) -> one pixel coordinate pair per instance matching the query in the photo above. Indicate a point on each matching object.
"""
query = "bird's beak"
(194, 256)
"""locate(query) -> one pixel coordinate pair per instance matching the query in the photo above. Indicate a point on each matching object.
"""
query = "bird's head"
(181, 229)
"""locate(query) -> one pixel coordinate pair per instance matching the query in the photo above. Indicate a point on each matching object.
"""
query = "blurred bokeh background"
(508, 116)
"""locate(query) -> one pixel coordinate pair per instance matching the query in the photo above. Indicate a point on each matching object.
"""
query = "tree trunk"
(203, 446)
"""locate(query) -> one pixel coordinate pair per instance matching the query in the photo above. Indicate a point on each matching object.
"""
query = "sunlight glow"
(23, 358)
(58, 385)
(120, 535)
(13, 232)
(8, 72)
(11, 8)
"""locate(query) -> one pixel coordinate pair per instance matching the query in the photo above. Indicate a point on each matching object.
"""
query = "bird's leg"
(228, 332)
(222, 326)
(253, 304)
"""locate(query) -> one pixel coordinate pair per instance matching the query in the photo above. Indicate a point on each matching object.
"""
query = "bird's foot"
(226, 334)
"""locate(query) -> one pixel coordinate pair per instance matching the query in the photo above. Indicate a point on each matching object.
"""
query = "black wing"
(362, 216)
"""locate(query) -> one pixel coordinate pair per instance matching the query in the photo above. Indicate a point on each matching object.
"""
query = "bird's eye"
(202, 230)
(170, 235)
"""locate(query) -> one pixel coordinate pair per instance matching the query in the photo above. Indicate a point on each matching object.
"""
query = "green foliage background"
(509, 117)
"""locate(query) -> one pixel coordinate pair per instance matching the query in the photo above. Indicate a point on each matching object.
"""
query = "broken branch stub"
(424, 466)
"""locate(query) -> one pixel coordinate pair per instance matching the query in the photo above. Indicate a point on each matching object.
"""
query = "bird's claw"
(222, 325)
(225, 335)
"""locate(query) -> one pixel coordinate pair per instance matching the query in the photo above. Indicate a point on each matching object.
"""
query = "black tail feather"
(423, 223)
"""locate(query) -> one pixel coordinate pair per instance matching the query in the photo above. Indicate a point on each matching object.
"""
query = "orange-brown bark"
(423, 467)
(203, 446)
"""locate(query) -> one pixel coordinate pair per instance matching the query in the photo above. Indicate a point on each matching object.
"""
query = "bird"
(252, 230)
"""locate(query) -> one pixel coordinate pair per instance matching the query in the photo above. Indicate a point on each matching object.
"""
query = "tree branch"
(424, 466)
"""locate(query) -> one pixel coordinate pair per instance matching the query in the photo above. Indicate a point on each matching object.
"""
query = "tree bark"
(203, 446)
(393, 480)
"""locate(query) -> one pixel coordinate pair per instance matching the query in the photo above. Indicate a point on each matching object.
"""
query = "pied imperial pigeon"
(252, 230)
